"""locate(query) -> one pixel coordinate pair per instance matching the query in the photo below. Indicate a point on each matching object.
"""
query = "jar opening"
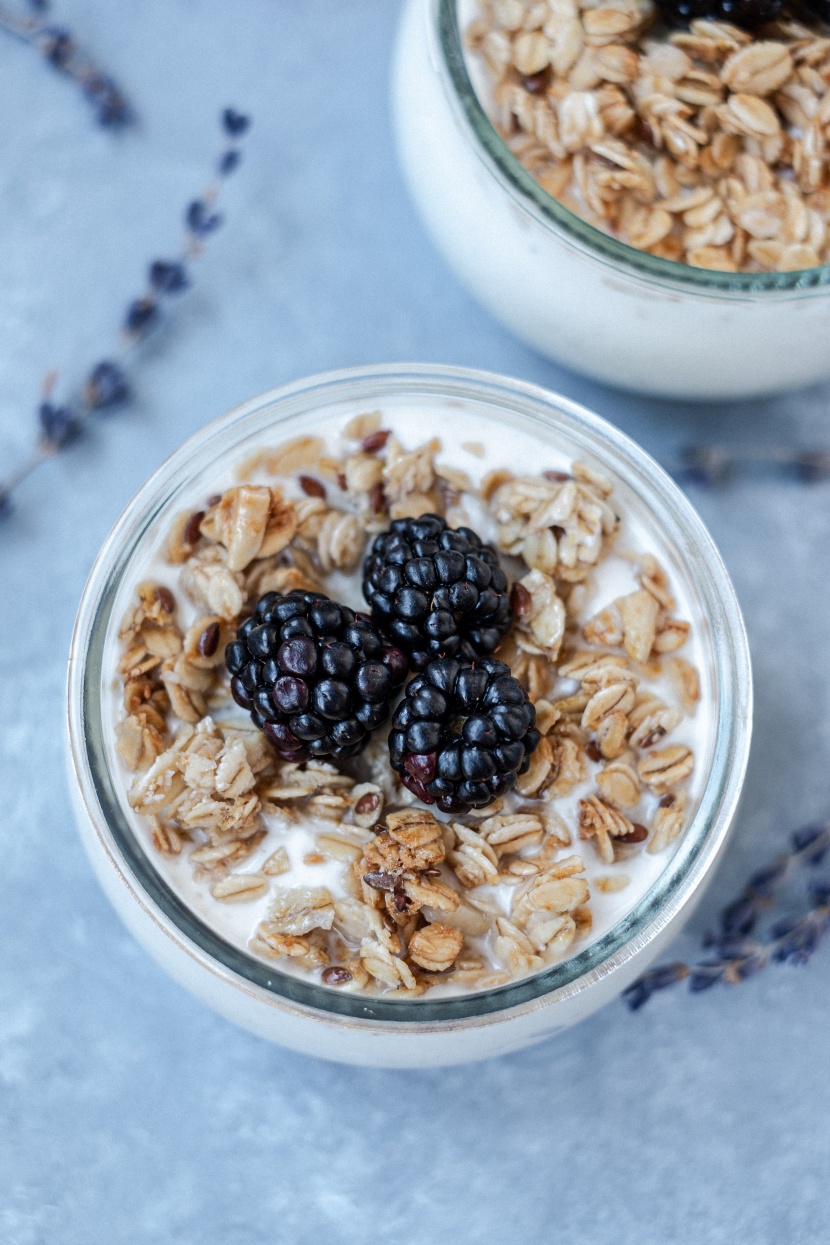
(511, 402)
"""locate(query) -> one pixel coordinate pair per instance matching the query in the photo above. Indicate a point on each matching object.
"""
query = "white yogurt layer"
(476, 443)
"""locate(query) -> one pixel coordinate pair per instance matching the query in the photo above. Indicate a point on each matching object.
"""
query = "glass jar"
(568, 289)
(299, 1012)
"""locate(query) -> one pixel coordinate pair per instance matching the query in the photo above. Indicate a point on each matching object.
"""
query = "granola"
(338, 871)
(706, 146)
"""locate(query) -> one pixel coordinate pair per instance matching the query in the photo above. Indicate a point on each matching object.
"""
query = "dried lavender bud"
(109, 102)
(59, 425)
(199, 218)
(819, 893)
(817, 836)
(106, 387)
(659, 978)
(235, 123)
(730, 947)
(784, 927)
(749, 966)
(764, 881)
(140, 314)
(812, 466)
(705, 465)
(705, 975)
(229, 161)
(740, 917)
(168, 276)
(57, 46)
(797, 940)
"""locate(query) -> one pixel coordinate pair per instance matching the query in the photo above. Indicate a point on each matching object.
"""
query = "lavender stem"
(708, 466)
(736, 956)
(107, 384)
(57, 46)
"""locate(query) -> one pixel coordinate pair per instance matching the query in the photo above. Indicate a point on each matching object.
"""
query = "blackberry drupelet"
(435, 591)
(746, 13)
(463, 733)
(316, 677)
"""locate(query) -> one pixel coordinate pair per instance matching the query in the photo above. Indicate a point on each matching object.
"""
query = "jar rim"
(525, 189)
(525, 404)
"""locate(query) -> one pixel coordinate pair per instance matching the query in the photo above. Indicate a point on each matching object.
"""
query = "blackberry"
(818, 10)
(463, 733)
(746, 13)
(435, 591)
(316, 677)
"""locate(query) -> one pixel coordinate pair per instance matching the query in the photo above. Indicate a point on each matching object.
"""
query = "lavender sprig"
(58, 47)
(107, 386)
(710, 466)
(735, 956)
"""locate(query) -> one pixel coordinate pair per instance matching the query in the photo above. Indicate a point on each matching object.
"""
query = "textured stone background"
(129, 1113)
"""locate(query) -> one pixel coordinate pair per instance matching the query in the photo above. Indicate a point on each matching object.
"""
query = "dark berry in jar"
(749, 14)
(316, 678)
(435, 591)
(463, 733)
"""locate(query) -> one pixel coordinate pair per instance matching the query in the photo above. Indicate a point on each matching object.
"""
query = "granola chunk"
(435, 947)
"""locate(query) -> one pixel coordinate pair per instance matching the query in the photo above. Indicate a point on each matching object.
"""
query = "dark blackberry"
(746, 13)
(435, 591)
(463, 733)
(817, 10)
(316, 677)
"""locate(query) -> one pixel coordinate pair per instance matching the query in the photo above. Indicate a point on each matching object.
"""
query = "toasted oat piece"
(299, 910)
(384, 966)
(240, 887)
(514, 949)
(669, 821)
(473, 858)
(435, 947)
(619, 784)
(666, 767)
(604, 824)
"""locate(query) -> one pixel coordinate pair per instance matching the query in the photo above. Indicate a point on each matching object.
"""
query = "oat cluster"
(706, 145)
(469, 902)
